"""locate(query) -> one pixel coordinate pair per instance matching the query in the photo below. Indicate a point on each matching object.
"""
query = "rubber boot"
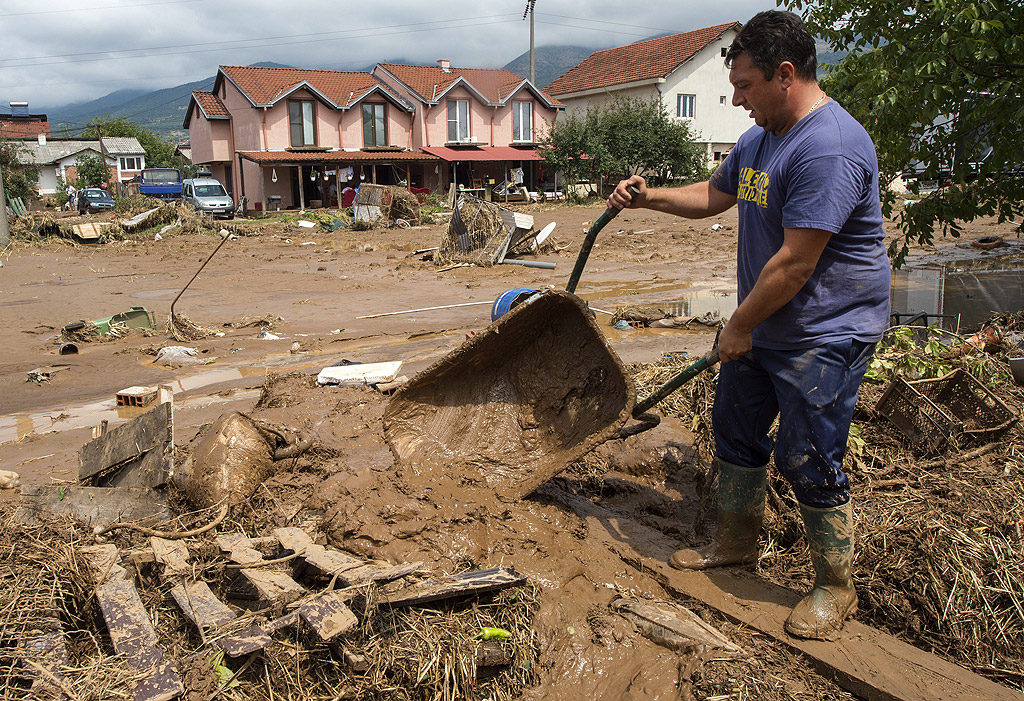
(741, 494)
(820, 614)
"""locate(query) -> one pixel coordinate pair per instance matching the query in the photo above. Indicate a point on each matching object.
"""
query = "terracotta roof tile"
(265, 85)
(653, 58)
(211, 104)
(495, 84)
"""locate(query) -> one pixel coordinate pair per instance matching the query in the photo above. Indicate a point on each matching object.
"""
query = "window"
(722, 99)
(458, 120)
(725, 52)
(131, 163)
(685, 105)
(522, 121)
(374, 125)
(300, 120)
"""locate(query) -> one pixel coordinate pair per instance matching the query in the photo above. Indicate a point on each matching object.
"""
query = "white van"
(209, 196)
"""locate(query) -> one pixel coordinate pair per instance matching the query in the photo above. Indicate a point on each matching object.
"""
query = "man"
(813, 283)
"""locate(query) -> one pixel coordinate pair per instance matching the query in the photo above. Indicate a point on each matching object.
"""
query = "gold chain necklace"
(815, 105)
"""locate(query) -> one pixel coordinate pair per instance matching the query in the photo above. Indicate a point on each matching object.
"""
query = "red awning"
(483, 153)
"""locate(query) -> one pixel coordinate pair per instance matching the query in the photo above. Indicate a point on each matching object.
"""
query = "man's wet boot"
(741, 493)
(820, 614)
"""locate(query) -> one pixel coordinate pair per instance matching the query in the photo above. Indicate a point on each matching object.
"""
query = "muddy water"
(961, 295)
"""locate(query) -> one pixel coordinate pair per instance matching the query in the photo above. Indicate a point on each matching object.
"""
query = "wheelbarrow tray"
(514, 405)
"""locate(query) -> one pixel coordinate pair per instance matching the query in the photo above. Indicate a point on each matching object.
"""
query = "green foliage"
(133, 203)
(627, 137)
(92, 171)
(159, 153)
(900, 353)
(934, 83)
(19, 177)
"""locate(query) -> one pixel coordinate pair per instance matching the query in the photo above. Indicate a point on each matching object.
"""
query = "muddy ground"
(318, 283)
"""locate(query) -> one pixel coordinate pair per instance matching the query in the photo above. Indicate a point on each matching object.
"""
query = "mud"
(577, 536)
(515, 404)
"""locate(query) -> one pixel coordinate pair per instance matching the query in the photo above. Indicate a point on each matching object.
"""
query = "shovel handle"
(588, 242)
(684, 376)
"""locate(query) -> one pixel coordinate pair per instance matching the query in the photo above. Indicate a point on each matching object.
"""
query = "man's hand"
(621, 199)
(733, 342)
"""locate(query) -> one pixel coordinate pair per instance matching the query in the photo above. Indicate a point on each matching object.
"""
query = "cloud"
(56, 56)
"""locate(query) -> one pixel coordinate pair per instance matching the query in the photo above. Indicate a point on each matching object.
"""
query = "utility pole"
(103, 155)
(530, 6)
(5, 232)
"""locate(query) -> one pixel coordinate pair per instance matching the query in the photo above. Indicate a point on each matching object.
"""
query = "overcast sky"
(61, 51)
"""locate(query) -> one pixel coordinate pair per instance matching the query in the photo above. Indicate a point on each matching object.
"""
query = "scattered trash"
(305, 224)
(178, 355)
(717, 227)
(360, 374)
(135, 396)
(492, 634)
(621, 325)
(646, 231)
(987, 339)
(9, 479)
(481, 233)
(296, 347)
(987, 243)
(44, 374)
(308, 243)
(1017, 370)
(138, 453)
(67, 349)
(267, 335)
(391, 387)
(673, 626)
(157, 237)
(402, 224)
(232, 457)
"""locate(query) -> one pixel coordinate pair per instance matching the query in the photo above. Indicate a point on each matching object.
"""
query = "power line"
(92, 8)
(331, 36)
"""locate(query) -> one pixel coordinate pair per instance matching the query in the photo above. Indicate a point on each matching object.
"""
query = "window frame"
(125, 159)
(691, 101)
(315, 140)
(371, 125)
(526, 106)
(457, 119)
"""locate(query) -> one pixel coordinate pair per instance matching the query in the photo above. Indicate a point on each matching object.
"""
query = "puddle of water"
(960, 296)
(155, 294)
(610, 290)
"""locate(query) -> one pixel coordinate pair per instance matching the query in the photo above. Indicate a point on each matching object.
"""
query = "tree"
(159, 154)
(92, 171)
(937, 85)
(19, 176)
(628, 136)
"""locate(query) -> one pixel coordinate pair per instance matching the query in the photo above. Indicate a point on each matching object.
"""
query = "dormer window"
(374, 124)
(522, 121)
(301, 123)
(458, 120)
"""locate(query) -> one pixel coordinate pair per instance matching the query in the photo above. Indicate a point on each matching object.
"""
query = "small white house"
(685, 71)
(57, 159)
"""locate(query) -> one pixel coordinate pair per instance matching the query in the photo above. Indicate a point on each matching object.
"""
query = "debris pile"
(480, 232)
(380, 205)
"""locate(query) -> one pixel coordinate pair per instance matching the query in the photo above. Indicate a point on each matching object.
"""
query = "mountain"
(549, 62)
(161, 111)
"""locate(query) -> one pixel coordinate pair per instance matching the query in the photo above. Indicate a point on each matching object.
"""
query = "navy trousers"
(813, 392)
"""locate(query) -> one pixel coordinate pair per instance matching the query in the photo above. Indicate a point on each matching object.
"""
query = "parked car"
(209, 196)
(94, 199)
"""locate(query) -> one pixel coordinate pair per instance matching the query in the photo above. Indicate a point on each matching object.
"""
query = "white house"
(685, 71)
(55, 159)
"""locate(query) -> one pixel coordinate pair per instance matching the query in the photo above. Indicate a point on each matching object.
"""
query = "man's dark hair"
(773, 36)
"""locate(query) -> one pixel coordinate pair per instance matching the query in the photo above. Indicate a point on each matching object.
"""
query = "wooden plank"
(349, 569)
(328, 615)
(163, 684)
(105, 562)
(273, 586)
(172, 554)
(128, 624)
(47, 649)
(199, 604)
(673, 626)
(128, 447)
(94, 506)
(245, 641)
(476, 582)
(89, 232)
(863, 660)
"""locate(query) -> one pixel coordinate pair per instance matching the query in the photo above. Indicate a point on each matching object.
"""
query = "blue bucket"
(508, 299)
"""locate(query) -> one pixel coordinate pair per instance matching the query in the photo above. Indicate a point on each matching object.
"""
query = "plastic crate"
(931, 412)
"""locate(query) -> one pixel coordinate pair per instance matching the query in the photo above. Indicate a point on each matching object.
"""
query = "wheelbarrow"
(514, 405)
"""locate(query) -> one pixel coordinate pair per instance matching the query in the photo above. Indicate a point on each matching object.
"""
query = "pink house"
(287, 137)
(482, 123)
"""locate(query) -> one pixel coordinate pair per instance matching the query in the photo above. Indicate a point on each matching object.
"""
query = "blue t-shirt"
(822, 174)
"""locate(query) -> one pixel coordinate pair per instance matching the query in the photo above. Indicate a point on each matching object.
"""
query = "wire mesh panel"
(479, 233)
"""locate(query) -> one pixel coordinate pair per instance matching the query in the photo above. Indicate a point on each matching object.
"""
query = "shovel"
(537, 390)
